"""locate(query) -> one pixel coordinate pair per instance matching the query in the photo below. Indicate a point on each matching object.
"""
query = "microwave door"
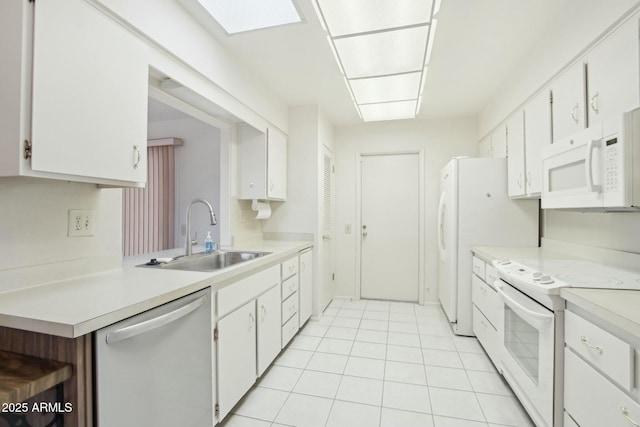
(572, 175)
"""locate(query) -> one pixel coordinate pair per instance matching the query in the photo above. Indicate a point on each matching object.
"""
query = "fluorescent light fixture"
(398, 87)
(377, 54)
(432, 34)
(360, 16)
(388, 111)
(382, 49)
(237, 16)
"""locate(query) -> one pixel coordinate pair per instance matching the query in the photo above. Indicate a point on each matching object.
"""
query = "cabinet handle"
(252, 320)
(271, 185)
(574, 113)
(594, 103)
(264, 312)
(528, 179)
(137, 156)
(519, 181)
(586, 342)
(625, 412)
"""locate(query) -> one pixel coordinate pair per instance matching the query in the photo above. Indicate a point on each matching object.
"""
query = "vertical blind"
(148, 213)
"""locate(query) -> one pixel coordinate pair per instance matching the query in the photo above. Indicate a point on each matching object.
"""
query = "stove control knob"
(546, 280)
(537, 275)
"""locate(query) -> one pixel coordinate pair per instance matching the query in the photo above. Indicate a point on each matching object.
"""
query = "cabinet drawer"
(289, 307)
(486, 299)
(289, 286)
(289, 330)
(238, 293)
(593, 401)
(490, 275)
(606, 352)
(478, 267)
(486, 333)
(289, 267)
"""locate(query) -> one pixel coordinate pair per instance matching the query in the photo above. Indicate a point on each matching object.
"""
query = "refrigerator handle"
(441, 208)
(156, 322)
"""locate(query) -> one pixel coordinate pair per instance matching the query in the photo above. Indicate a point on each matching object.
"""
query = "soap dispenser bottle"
(208, 243)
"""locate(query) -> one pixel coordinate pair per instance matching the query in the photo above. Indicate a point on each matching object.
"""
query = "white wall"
(34, 247)
(197, 174)
(441, 140)
(572, 33)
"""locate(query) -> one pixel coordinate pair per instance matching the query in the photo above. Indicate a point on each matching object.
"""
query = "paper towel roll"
(263, 208)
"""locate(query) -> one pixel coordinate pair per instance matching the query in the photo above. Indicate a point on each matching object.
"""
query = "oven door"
(526, 347)
(572, 171)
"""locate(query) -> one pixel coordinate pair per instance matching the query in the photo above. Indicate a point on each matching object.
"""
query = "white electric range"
(531, 331)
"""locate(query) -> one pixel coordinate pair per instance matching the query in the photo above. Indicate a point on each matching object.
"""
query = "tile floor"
(379, 363)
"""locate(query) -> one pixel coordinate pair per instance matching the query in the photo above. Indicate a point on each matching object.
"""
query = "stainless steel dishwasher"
(154, 369)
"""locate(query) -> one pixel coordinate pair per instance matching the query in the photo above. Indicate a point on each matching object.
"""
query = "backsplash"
(34, 245)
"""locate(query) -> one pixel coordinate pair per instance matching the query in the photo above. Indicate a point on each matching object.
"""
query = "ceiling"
(477, 46)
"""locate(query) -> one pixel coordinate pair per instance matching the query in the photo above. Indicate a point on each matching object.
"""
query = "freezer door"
(447, 241)
(154, 369)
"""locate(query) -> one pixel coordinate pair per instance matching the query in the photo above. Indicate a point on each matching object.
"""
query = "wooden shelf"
(22, 377)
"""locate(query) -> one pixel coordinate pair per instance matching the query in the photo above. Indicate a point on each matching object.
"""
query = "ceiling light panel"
(398, 87)
(237, 16)
(359, 16)
(389, 52)
(388, 111)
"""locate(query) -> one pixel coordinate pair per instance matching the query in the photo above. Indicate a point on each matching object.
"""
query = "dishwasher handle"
(156, 322)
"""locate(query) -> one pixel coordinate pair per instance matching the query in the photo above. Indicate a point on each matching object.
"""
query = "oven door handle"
(536, 319)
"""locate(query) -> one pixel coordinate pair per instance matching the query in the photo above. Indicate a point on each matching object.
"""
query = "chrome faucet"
(188, 243)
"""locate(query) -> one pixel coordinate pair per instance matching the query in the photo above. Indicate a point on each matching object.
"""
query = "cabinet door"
(499, 142)
(252, 166)
(236, 356)
(568, 102)
(269, 328)
(90, 85)
(276, 165)
(515, 160)
(305, 290)
(613, 84)
(537, 134)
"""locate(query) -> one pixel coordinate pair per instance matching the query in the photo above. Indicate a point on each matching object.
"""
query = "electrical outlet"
(81, 223)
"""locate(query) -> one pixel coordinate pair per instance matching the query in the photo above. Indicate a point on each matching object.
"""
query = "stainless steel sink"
(206, 262)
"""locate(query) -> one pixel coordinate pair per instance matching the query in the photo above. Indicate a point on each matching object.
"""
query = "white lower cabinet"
(269, 321)
(486, 307)
(599, 376)
(305, 288)
(236, 356)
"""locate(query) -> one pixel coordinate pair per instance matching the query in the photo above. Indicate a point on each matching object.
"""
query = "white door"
(326, 289)
(390, 251)
(236, 356)
(269, 327)
(447, 241)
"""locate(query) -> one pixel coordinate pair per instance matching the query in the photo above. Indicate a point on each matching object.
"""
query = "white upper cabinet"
(77, 86)
(537, 134)
(262, 164)
(612, 75)
(516, 158)
(569, 102)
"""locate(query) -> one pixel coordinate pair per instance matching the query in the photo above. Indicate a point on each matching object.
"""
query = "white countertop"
(618, 307)
(75, 307)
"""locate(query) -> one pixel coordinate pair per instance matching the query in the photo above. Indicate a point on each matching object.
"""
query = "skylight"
(382, 49)
(237, 16)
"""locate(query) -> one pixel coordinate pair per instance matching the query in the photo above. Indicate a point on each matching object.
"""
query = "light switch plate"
(81, 223)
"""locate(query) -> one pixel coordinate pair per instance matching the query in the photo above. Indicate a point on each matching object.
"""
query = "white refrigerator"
(475, 209)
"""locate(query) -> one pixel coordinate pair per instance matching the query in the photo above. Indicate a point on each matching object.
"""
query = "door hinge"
(333, 276)
(550, 97)
(27, 149)
(333, 168)
(215, 334)
(217, 411)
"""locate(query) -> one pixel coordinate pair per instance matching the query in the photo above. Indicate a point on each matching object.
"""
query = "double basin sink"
(205, 262)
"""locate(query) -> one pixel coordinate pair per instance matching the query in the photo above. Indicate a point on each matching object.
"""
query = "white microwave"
(597, 168)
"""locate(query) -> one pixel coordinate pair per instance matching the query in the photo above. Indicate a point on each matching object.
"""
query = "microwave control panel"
(611, 163)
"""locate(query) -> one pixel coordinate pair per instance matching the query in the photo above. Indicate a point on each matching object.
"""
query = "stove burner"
(590, 280)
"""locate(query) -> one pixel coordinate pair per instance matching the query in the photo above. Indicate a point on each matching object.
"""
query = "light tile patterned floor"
(378, 363)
